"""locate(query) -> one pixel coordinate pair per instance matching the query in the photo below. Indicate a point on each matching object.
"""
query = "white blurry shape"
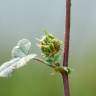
(21, 49)
(24, 45)
(7, 72)
(24, 60)
(7, 68)
(20, 58)
(8, 63)
(17, 52)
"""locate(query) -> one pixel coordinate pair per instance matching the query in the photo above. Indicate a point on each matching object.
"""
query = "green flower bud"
(49, 44)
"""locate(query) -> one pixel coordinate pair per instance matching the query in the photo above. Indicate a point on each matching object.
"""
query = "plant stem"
(66, 47)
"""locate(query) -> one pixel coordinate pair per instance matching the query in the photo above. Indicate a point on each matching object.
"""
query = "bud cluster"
(49, 45)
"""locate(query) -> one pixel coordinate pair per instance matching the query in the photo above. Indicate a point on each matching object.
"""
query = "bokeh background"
(26, 19)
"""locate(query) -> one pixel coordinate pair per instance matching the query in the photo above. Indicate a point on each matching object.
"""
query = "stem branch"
(44, 62)
(60, 69)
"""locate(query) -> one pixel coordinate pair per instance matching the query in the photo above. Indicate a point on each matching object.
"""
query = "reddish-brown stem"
(66, 47)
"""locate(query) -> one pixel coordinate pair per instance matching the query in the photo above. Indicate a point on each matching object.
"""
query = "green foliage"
(57, 58)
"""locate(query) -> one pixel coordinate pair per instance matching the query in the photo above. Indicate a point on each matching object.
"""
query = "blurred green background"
(26, 19)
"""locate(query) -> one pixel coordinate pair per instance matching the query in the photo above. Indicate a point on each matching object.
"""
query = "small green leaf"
(57, 58)
(50, 60)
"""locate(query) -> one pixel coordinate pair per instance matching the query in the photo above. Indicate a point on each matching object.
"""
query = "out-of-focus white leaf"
(8, 67)
(21, 49)
(20, 58)
(24, 45)
(24, 60)
(8, 63)
(17, 52)
(7, 72)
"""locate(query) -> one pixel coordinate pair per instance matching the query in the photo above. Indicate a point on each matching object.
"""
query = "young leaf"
(57, 58)
(50, 60)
